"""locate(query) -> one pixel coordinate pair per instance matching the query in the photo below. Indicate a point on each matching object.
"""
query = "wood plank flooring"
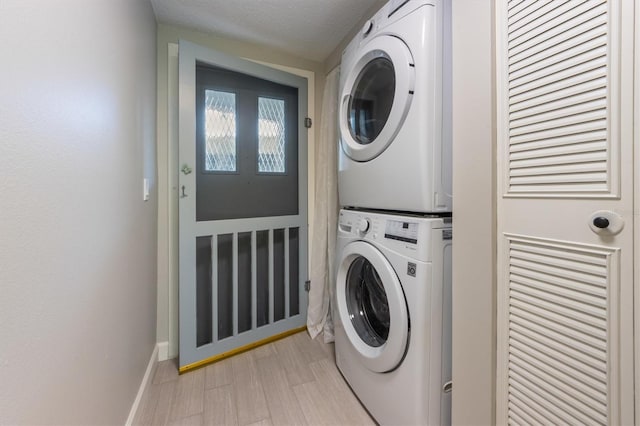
(293, 381)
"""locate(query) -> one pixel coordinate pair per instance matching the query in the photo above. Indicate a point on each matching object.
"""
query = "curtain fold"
(325, 220)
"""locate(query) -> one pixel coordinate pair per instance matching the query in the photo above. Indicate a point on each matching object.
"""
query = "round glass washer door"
(372, 307)
(375, 98)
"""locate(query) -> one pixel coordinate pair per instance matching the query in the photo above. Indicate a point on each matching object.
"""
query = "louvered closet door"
(565, 111)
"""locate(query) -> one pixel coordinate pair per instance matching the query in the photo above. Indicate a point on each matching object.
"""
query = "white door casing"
(636, 201)
(565, 132)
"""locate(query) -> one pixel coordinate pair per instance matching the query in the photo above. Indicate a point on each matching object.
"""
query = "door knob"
(606, 222)
(601, 222)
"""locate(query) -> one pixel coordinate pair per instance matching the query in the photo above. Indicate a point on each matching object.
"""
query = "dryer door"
(376, 96)
(372, 307)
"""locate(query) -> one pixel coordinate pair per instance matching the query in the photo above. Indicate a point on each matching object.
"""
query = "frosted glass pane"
(271, 135)
(220, 131)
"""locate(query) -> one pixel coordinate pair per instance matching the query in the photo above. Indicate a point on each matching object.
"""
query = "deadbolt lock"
(186, 169)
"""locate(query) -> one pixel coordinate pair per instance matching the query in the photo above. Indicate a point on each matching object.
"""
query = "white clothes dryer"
(395, 110)
(392, 314)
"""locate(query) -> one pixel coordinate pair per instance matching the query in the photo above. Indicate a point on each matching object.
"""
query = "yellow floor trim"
(210, 360)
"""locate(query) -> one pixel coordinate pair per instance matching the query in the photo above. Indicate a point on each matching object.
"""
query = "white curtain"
(325, 220)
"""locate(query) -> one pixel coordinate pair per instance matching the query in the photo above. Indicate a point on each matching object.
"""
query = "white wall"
(474, 339)
(77, 243)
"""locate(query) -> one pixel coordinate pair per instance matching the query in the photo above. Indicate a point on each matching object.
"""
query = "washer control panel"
(414, 236)
(402, 231)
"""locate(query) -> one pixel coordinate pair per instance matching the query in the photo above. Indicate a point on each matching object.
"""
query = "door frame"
(190, 355)
(636, 207)
(168, 267)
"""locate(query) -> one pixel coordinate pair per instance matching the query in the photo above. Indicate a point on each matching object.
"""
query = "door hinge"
(307, 123)
(307, 285)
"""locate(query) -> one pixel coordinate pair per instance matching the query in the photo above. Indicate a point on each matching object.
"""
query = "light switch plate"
(145, 189)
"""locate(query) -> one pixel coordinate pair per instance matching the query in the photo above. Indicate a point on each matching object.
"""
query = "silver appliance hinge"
(307, 285)
(307, 123)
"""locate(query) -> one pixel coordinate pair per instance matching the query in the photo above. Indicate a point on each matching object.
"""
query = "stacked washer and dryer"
(392, 303)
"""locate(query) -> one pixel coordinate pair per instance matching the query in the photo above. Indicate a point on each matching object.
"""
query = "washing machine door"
(376, 96)
(372, 307)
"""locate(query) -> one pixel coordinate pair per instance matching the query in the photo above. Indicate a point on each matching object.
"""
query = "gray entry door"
(243, 204)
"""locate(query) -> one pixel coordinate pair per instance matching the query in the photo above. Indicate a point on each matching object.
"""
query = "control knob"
(363, 225)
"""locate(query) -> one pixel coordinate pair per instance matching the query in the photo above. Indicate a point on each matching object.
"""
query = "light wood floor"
(293, 381)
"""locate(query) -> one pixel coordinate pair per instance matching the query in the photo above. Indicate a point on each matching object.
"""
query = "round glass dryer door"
(371, 100)
(372, 307)
(376, 96)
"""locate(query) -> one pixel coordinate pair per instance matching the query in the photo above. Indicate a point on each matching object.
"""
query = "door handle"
(606, 222)
(601, 222)
(183, 195)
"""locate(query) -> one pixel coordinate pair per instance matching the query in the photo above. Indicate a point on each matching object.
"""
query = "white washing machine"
(395, 110)
(392, 314)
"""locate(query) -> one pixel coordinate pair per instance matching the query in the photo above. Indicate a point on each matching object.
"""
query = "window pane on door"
(271, 135)
(220, 131)
(261, 130)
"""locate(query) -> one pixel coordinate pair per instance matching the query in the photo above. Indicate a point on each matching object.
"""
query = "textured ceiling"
(311, 29)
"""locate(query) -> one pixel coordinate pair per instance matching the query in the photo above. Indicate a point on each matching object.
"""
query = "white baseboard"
(163, 351)
(146, 380)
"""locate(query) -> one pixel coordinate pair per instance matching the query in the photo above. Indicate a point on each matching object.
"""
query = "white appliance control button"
(363, 225)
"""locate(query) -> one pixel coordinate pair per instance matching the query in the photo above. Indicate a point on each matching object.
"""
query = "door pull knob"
(601, 222)
(606, 223)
